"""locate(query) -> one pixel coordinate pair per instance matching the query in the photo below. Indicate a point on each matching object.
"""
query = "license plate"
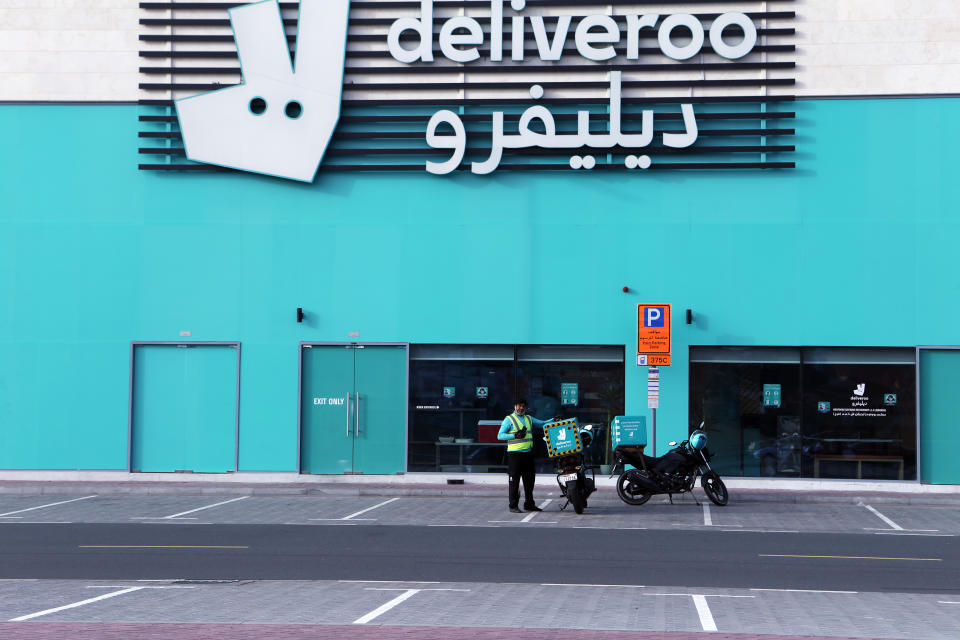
(567, 477)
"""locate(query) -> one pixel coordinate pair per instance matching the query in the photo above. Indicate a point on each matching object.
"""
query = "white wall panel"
(877, 47)
(63, 50)
(68, 50)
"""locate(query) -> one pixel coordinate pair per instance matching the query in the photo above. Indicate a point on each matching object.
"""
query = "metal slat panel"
(387, 119)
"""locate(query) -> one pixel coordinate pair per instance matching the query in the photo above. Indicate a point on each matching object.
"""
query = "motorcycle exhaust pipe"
(645, 482)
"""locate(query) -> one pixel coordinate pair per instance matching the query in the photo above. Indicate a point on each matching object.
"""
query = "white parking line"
(700, 602)
(340, 520)
(363, 511)
(703, 611)
(211, 506)
(803, 590)
(533, 513)
(604, 586)
(407, 593)
(179, 516)
(909, 532)
(882, 517)
(121, 586)
(75, 604)
(707, 518)
(44, 506)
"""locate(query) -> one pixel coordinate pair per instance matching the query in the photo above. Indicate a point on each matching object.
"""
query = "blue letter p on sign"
(654, 317)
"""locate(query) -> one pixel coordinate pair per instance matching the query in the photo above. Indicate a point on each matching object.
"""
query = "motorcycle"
(674, 472)
(575, 486)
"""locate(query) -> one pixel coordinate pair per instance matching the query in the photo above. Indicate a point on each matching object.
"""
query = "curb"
(35, 488)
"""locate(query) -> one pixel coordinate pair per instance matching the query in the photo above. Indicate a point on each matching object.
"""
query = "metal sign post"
(653, 403)
(653, 351)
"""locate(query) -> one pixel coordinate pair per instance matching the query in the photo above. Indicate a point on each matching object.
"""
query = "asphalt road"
(861, 562)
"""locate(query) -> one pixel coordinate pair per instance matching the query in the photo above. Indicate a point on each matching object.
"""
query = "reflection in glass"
(459, 394)
(836, 413)
(869, 430)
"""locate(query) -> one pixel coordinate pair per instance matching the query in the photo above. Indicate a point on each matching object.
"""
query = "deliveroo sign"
(281, 118)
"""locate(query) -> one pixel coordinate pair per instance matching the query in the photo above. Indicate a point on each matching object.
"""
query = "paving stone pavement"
(564, 609)
(83, 631)
(605, 511)
(307, 610)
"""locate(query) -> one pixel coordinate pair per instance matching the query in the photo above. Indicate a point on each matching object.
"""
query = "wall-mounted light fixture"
(689, 316)
(299, 314)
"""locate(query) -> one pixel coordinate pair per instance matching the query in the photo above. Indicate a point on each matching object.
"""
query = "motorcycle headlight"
(698, 440)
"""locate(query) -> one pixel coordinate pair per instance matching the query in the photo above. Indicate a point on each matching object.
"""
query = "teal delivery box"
(562, 438)
(628, 430)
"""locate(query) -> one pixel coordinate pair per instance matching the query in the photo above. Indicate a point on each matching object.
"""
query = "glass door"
(326, 416)
(380, 409)
(353, 409)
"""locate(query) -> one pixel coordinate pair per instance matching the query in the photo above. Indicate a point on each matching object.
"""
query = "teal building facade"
(149, 319)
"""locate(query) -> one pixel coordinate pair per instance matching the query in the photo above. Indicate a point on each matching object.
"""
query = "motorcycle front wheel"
(629, 490)
(575, 496)
(715, 489)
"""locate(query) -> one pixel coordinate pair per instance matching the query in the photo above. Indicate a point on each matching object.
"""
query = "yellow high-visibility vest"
(526, 442)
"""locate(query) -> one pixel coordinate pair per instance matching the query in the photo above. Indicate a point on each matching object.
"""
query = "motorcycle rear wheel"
(630, 491)
(715, 489)
(575, 496)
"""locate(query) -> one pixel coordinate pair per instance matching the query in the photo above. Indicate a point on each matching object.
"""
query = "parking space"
(794, 517)
(35, 508)
(605, 511)
(291, 510)
(572, 606)
(919, 518)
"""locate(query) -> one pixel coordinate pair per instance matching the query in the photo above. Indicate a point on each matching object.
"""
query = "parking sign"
(653, 334)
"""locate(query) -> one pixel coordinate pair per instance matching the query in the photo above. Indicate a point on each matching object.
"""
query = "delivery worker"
(517, 430)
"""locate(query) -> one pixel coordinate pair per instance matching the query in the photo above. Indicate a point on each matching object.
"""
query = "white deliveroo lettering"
(550, 49)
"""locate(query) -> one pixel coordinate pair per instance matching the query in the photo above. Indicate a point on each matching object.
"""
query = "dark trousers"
(520, 466)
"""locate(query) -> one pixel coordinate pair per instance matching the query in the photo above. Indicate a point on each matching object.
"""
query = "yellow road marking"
(788, 555)
(159, 546)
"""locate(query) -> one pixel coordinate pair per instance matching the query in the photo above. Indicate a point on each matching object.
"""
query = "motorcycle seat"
(637, 459)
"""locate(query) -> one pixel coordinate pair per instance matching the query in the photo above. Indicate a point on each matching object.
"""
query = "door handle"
(356, 418)
(348, 415)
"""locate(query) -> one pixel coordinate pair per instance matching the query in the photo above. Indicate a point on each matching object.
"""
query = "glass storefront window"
(459, 394)
(807, 412)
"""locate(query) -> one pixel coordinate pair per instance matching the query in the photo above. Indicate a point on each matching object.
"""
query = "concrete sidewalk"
(438, 484)
(122, 631)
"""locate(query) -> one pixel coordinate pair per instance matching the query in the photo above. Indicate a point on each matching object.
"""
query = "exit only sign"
(653, 335)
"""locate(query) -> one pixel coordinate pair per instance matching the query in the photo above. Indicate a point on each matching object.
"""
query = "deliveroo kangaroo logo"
(280, 119)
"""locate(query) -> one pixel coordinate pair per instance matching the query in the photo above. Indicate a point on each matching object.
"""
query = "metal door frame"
(184, 343)
(919, 350)
(406, 392)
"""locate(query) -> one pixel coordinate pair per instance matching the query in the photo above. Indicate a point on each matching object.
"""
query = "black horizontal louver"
(188, 48)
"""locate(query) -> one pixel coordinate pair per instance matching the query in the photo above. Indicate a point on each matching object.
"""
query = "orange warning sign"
(653, 333)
